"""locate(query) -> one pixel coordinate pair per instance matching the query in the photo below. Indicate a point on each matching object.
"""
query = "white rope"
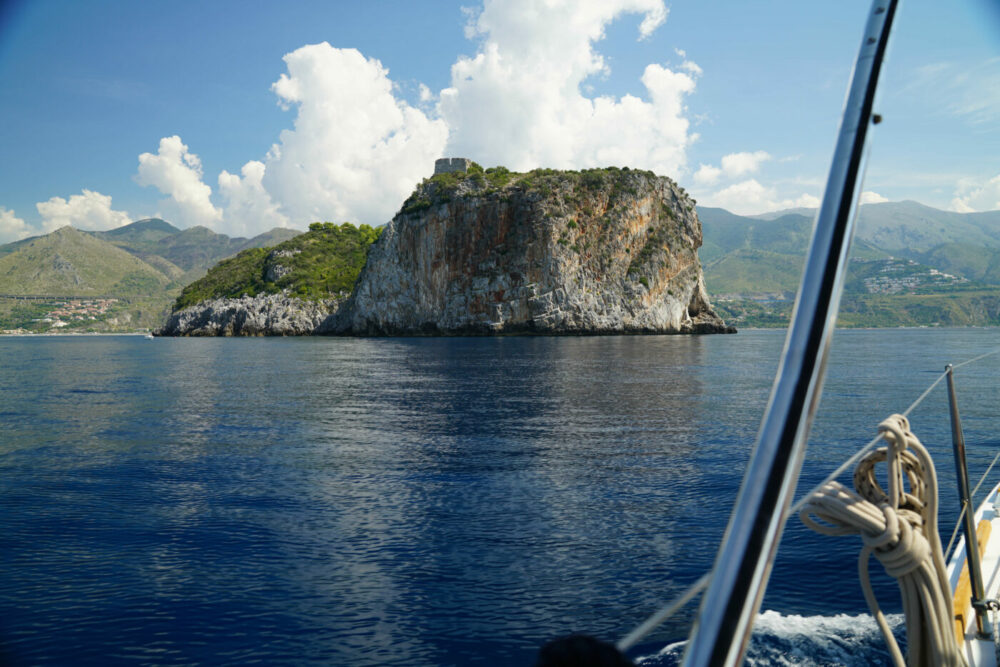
(900, 528)
(701, 584)
(835, 474)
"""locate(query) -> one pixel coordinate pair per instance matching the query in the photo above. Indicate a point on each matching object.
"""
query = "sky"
(247, 115)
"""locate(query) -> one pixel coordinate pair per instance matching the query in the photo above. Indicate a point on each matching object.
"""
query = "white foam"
(803, 641)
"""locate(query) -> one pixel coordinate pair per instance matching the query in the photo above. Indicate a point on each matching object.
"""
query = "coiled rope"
(900, 528)
(669, 609)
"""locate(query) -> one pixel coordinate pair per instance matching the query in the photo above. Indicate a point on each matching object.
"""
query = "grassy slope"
(140, 236)
(324, 261)
(69, 262)
(747, 271)
(272, 237)
(751, 257)
(121, 262)
(971, 261)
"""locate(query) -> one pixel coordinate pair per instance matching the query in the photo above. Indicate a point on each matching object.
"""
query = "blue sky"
(248, 115)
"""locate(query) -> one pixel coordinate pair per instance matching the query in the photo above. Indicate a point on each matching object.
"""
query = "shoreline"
(601, 335)
(73, 334)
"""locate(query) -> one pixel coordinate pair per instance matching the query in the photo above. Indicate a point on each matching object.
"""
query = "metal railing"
(701, 584)
(983, 627)
(743, 562)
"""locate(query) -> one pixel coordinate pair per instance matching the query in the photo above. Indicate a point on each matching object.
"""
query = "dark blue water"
(422, 501)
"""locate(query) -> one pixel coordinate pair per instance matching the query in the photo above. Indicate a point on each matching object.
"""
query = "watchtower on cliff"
(448, 165)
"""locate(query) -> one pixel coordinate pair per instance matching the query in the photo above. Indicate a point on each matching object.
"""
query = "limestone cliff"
(476, 251)
(262, 315)
(492, 252)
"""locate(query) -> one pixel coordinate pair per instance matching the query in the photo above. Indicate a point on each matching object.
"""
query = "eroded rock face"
(264, 315)
(275, 269)
(602, 251)
(595, 252)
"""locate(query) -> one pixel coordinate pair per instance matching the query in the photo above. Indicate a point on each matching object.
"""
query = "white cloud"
(519, 100)
(655, 16)
(707, 174)
(869, 197)
(12, 228)
(176, 172)
(356, 151)
(89, 210)
(738, 164)
(749, 197)
(970, 91)
(732, 166)
(971, 197)
(687, 64)
(249, 210)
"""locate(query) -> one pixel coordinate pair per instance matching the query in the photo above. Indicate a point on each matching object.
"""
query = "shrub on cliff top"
(324, 261)
(441, 188)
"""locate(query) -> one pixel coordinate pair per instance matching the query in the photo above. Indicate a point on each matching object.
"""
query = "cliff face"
(481, 252)
(599, 251)
(263, 315)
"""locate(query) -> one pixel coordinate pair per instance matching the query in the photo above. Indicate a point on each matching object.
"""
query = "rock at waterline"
(476, 251)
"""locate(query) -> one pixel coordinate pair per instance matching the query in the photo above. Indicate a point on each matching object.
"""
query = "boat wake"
(805, 641)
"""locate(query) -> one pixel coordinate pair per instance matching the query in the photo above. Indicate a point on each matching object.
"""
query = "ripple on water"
(411, 501)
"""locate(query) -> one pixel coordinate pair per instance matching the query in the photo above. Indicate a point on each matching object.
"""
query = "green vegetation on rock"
(323, 262)
(442, 188)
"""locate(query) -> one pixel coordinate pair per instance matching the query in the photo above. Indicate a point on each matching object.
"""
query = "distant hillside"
(971, 261)
(69, 262)
(324, 261)
(140, 236)
(753, 265)
(910, 227)
(142, 266)
(271, 238)
(753, 272)
(193, 250)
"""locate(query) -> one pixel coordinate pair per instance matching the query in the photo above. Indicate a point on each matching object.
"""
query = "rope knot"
(899, 548)
(899, 526)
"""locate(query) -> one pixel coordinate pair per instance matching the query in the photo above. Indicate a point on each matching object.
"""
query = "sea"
(430, 501)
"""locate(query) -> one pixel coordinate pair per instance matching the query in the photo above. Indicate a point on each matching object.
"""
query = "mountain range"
(182, 255)
(910, 264)
(917, 264)
(142, 265)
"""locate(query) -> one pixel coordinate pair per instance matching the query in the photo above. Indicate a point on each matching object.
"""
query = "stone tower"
(447, 165)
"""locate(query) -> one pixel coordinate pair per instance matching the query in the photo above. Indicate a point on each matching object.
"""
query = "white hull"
(980, 652)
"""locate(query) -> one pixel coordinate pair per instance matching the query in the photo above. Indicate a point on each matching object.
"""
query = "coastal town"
(905, 276)
(77, 310)
(53, 313)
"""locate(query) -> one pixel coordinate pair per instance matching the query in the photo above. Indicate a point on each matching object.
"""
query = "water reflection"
(527, 478)
(406, 501)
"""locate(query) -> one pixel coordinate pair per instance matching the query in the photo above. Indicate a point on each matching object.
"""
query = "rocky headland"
(261, 315)
(480, 252)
